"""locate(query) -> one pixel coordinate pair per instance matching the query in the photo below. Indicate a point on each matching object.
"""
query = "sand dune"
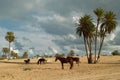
(107, 69)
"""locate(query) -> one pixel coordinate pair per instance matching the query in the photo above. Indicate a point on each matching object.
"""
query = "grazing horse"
(65, 60)
(42, 60)
(76, 59)
(27, 61)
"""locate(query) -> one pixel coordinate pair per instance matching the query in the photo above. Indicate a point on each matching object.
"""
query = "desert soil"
(107, 69)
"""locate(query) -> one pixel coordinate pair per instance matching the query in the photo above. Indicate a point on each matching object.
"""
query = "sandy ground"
(107, 69)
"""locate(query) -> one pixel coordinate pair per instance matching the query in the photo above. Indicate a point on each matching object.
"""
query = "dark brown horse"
(42, 60)
(65, 60)
(76, 59)
(27, 61)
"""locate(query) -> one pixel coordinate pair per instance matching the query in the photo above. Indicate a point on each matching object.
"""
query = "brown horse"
(27, 61)
(42, 60)
(76, 59)
(65, 60)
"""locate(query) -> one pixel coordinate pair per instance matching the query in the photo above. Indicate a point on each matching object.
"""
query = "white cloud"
(46, 19)
(59, 18)
(71, 36)
(16, 51)
(34, 28)
(76, 19)
(30, 51)
(112, 36)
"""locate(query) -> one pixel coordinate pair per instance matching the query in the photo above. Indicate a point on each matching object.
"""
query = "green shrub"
(26, 69)
(115, 52)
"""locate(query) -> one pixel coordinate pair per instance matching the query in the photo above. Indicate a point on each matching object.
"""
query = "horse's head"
(56, 58)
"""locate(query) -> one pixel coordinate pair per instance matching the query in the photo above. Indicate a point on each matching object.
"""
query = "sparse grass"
(107, 69)
(27, 69)
(2, 58)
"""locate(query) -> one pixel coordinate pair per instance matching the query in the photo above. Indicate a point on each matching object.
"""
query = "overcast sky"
(47, 26)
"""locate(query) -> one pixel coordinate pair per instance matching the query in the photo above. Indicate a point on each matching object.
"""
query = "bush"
(71, 53)
(26, 69)
(115, 53)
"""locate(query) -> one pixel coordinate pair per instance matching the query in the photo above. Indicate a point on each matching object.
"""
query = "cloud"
(15, 8)
(50, 23)
(71, 36)
(18, 45)
(46, 19)
(116, 40)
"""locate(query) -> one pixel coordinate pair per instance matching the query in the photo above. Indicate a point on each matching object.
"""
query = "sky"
(48, 26)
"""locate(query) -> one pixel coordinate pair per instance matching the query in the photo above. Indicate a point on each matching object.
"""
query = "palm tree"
(10, 38)
(5, 50)
(85, 28)
(107, 27)
(99, 12)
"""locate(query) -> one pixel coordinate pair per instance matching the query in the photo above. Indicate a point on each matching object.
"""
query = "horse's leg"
(44, 62)
(62, 66)
(71, 64)
(78, 62)
(40, 62)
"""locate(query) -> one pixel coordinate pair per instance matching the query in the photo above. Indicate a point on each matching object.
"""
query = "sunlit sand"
(107, 69)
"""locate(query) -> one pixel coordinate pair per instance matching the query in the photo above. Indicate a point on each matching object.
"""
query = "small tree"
(25, 55)
(14, 55)
(37, 56)
(57, 54)
(62, 54)
(71, 53)
(5, 50)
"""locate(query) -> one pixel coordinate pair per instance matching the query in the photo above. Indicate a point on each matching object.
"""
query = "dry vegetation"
(107, 69)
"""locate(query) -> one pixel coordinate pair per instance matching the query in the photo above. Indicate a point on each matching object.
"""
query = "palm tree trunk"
(89, 41)
(96, 39)
(101, 44)
(9, 51)
(90, 48)
(86, 48)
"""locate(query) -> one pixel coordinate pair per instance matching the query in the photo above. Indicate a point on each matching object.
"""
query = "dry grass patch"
(107, 69)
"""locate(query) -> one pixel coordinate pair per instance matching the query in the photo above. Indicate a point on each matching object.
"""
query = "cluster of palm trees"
(92, 33)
